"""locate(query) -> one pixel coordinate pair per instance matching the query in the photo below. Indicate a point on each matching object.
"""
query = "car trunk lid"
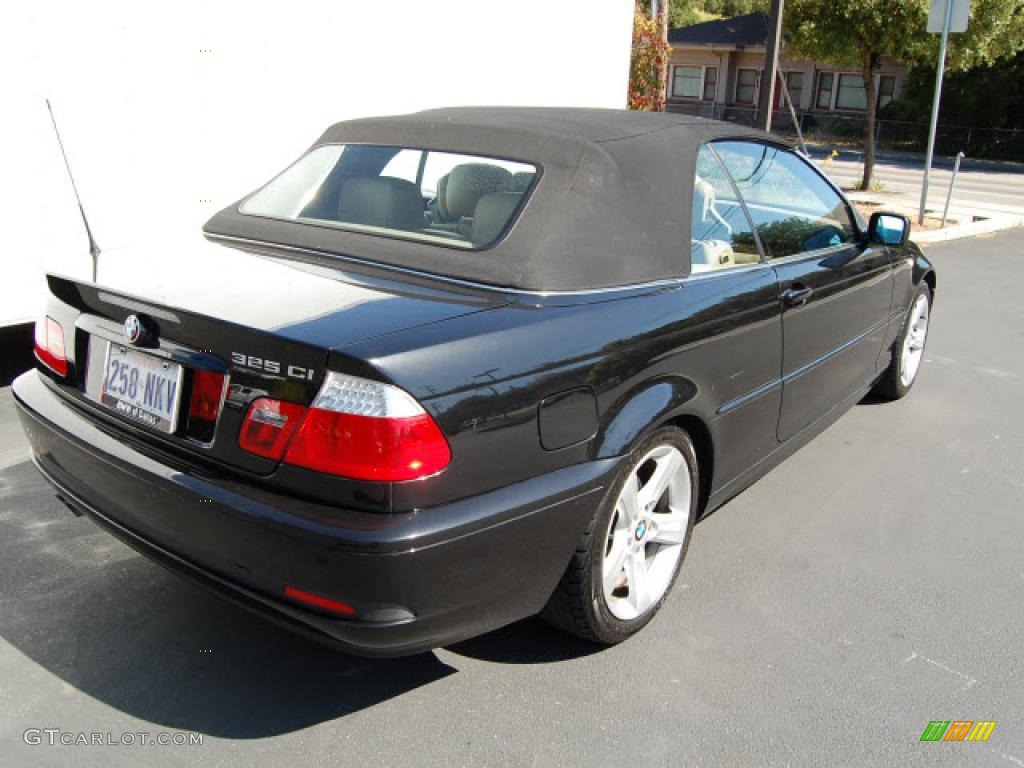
(236, 326)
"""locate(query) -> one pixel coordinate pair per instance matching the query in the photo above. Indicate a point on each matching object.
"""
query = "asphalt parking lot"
(869, 585)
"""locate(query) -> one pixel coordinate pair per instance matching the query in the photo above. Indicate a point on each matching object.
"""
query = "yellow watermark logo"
(958, 730)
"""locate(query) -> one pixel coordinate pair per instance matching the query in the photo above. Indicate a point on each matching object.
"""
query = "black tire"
(891, 386)
(578, 604)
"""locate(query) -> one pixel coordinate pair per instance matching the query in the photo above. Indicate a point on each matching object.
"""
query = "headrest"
(469, 182)
(442, 206)
(381, 202)
(491, 214)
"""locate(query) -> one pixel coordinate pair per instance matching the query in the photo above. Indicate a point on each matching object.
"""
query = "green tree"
(860, 32)
(683, 13)
(988, 95)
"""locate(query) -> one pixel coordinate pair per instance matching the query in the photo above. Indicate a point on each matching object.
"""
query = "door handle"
(796, 296)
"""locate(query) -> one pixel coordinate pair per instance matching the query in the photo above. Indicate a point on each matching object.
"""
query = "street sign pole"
(935, 110)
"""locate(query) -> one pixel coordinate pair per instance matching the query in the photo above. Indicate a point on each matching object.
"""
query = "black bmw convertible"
(456, 368)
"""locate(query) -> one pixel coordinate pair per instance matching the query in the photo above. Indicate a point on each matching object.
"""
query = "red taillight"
(369, 447)
(207, 393)
(49, 345)
(318, 601)
(269, 426)
(357, 428)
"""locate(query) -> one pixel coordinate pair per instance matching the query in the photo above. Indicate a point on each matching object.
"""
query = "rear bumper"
(417, 580)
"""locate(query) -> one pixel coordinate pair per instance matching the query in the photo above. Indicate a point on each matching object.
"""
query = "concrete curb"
(968, 229)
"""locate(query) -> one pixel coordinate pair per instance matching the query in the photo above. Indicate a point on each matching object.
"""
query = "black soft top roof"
(612, 206)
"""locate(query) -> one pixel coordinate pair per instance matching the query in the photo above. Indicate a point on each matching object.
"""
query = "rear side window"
(793, 208)
(463, 201)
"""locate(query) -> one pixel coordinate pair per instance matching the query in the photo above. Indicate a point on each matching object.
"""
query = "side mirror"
(888, 228)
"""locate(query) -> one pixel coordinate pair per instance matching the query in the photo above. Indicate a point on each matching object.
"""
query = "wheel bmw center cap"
(641, 530)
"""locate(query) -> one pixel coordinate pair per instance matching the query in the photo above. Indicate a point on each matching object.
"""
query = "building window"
(886, 89)
(710, 83)
(746, 86)
(795, 86)
(825, 83)
(851, 92)
(686, 82)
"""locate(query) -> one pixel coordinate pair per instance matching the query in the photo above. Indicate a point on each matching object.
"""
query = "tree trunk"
(870, 108)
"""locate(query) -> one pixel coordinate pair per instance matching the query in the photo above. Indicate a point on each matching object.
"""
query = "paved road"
(982, 188)
(870, 584)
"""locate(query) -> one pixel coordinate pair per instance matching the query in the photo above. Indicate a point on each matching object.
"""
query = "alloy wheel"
(646, 534)
(913, 343)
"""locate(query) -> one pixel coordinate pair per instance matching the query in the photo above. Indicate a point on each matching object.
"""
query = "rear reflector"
(207, 393)
(318, 601)
(368, 430)
(269, 426)
(49, 345)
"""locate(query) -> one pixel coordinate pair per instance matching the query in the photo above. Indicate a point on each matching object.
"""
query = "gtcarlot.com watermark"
(55, 737)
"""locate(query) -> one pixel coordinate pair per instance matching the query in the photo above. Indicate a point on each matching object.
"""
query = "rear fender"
(643, 408)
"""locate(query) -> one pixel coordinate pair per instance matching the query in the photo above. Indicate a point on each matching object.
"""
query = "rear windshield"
(463, 201)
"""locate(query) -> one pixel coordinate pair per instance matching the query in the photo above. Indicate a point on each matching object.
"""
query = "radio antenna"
(94, 249)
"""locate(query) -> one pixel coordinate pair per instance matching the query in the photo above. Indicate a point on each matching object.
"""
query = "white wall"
(161, 134)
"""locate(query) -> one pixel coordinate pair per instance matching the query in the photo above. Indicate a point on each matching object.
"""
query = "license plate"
(142, 387)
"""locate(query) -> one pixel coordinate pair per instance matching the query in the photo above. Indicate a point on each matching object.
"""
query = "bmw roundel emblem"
(641, 530)
(133, 329)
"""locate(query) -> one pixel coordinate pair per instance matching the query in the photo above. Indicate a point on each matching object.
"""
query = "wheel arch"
(667, 401)
(923, 271)
(929, 279)
(703, 446)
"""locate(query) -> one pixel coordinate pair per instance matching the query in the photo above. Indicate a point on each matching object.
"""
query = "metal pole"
(935, 110)
(952, 183)
(771, 66)
(792, 112)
